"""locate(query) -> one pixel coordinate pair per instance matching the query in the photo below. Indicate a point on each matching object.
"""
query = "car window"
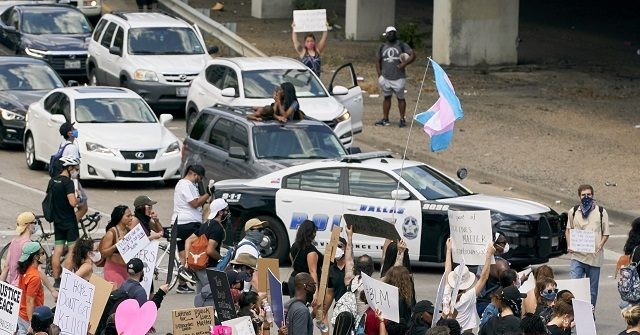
(28, 77)
(118, 41)
(322, 180)
(371, 184)
(99, 29)
(296, 142)
(51, 101)
(113, 110)
(164, 41)
(215, 75)
(14, 19)
(58, 103)
(220, 132)
(240, 137)
(231, 80)
(108, 35)
(200, 126)
(432, 184)
(259, 84)
(58, 21)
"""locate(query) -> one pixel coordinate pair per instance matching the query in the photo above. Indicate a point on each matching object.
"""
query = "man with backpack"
(70, 148)
(588, 216)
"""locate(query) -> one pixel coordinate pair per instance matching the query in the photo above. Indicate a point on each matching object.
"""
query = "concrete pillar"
(367, 19)
(272, 9)
(472, 32)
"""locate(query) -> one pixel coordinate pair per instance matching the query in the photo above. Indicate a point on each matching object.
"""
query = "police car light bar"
(357, 158)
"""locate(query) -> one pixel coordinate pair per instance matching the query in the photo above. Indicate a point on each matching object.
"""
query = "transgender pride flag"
(439, 119)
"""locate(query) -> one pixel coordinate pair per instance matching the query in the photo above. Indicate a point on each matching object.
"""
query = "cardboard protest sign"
(264, 266)
(582, 240)
(132, 243)
(241, 326)
(329, 254)
(372, 226)
(382, 296)
(277, 305)
(73, 309)
(310, 20)
(100, 298)
(470, 232)
(192, 321)
(583, 316)
(9, 308)
(221, 292)
(458, 275)
(148, 256)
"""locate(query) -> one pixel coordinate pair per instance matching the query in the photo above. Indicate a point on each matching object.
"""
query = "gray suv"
(229, 146)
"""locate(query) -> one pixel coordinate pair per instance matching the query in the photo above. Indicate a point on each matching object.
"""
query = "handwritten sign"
(131, 244)
(73, 308)
(264, 266)
(148, 256)
(582, 240)
(583, 316)
(310, 20)
(382, 296)
(192, 321)
(470, 232)
(9, 308)
(372, 226)
(241, 326)
(100, 298)
(221, 292)
(277, 305)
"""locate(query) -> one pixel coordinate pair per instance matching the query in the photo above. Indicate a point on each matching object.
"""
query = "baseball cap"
(246, 259)
(29, 249)
(66, 127)
(216, 206)
(142, 200)
(23, 220)
(389, 28)
(205, 298)
(255, 223)
(43, 313)
(423, 306)
(197, 168)
(135, 266)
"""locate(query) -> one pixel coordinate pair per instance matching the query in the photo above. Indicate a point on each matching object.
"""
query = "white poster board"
(382, 296)
(437, 307)
(310, 20)
(579, 287)
(470, 232)
(132, 243)
(240, 326)
(582, 240)
(148, 256)
(73, 309)
(583, 316)
(9, 308)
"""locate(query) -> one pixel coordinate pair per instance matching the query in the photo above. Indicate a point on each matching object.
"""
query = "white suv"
(249, 81)
(154, 54)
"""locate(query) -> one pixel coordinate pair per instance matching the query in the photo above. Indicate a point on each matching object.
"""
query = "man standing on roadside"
(70, 148)
(590, 217)
(390, 63)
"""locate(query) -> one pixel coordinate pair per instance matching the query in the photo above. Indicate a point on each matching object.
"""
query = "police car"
(366, 184)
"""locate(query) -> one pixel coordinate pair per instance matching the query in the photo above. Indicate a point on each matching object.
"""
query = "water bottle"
(267, 312)
(323, 328)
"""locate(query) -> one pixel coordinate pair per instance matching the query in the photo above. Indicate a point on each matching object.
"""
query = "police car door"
(314, 195)
(369, 193)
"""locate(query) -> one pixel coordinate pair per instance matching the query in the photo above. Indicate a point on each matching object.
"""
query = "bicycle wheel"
(4, 253)
(162, 267)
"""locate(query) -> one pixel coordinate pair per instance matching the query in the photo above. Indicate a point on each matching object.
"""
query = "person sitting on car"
(266, 113)
(289, 109)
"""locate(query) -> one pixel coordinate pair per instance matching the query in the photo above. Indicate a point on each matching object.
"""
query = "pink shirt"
(15, 251)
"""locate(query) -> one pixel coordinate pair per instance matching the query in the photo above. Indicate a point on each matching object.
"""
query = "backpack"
(600, 209)
(224, 261)
(54, 169)
(197, 257)
(47, 202)
(115, 298)
(348, 302)
(629, 281)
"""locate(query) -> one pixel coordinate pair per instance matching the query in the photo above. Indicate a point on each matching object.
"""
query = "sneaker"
(186, 275)
(382, 122)
(184, 289)
(56, 283)
(402, 123)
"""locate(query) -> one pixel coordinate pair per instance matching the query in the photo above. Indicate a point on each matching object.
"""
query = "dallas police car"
(366, 184)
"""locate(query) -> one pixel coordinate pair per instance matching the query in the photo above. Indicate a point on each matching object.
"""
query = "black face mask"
(310, 295)
(391, 37)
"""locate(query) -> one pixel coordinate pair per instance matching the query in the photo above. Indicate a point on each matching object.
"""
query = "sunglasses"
(551, 290)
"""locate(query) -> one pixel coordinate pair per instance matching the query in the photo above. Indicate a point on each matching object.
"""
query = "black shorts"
(184, 231)
(66, 235)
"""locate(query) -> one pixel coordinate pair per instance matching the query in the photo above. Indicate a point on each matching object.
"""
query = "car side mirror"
(58, 118)
(339, 90)
(213, 49)
(462, 173)
(115, 51)
(400, 195)
(354, 150)
(72, 83)
(229, 92)
(237, 152)
(165, 118)
(10, 29)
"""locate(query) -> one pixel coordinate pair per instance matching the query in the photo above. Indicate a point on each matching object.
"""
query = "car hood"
(19, 101)
(174, 64)
(322, 109)
(126, 136)
(505, 205)
(57, 42)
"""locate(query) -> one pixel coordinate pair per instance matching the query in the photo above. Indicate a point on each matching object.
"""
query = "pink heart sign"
(131, 319)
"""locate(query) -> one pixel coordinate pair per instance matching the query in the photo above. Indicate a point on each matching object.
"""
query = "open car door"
(344, 88)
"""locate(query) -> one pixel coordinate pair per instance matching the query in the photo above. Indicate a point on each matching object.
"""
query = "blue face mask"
(549, 296)
(587, 206)
(74, 133)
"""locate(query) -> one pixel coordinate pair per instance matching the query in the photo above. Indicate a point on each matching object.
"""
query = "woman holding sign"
(115, 269)
(309, 52)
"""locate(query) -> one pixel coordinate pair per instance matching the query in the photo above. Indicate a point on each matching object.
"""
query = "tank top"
(312, 62)
(15, 251)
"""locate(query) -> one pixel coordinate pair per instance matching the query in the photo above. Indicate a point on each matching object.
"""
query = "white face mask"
(506, 248)
(95, 256)
(75, 174)
(339, 253)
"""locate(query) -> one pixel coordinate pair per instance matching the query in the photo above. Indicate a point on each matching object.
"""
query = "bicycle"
(162, 270)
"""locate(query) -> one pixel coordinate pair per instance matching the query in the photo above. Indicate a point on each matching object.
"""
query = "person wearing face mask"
(391, 74)
(254, 238)
(507, 279)
(509, 303)
(30, 283)
(298, 319)
(133, 288)
(309, 53)
(143, 210)
(336, 286)
(70, 148)
(547, 292)
(589, 217)
(495, 272)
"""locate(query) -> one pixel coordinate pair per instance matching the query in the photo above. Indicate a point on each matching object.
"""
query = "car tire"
(123, 82)
(279, 238)
(30, 154)
(190, 118)
(93, 79)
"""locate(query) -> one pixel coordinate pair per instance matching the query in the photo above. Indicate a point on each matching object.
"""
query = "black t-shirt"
(300, 259)
(64, 216)
(499, 325)
(336, 281)
(214, 231)
(624, 332)
(145, 221)
(555, 330)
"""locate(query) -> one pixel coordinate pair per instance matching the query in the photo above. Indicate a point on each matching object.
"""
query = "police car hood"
(505, 205)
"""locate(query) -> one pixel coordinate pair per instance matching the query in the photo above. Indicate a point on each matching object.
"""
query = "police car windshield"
(259, 84)
(296, 142)
(432, 184)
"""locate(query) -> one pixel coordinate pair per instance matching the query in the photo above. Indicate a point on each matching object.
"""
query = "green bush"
(409, 33)
(306, 4)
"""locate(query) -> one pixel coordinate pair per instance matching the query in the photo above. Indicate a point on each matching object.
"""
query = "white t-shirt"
(466, 307)
(247, 248)
(70, 150)
(184, 193)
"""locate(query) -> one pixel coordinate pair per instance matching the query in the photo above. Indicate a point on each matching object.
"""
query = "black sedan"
(23, 80)
(57, 34)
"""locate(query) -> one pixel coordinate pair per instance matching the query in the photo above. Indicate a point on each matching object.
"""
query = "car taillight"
(184, 150)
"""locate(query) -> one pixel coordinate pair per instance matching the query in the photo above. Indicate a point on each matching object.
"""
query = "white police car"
(365, 184)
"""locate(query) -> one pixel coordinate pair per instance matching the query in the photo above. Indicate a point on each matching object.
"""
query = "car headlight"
(89, 3)
(145, 75)
(35, 52)
(97, 148)
(9, 115)
(172, 148)
(514, 226)
(344, 116)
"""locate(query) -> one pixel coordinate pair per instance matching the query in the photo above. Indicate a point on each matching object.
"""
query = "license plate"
(139, 167)
(555, 241)
(182, 91)
(72, 64)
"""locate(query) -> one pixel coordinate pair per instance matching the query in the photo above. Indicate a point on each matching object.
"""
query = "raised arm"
(348, 256)
(402, 246)
(323, 40)
(294, 38)
(448, 257)
(485, 270)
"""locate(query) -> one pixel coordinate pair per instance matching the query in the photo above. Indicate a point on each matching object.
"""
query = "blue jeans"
(581, 270)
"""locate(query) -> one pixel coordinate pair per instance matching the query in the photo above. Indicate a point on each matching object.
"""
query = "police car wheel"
(279, 238)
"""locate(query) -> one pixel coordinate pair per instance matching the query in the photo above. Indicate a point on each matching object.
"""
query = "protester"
(304, 256)
(267, 112)
(421, 318)
(289, 110)
(187, 211)
(531, 301)
(250, 306)
(451, 324)
(115, 268)
(396, 253)
(546, 292)
(336, 286)
(309, 53)
(41, 320)
(588, 216)
(244, 269)
(495, 272)
(533, 325)
(30, 284)
(82, 258)
(566, 296)
(253, 240)
(438, 330)
(510, 305)
(632, 316)
(391, 74)
(143, 210)
(25, 226)
(70, 149)
(353, 278)
(297, 315)
(561, 320)
(345, 324)
(507, 278)
(633, 241)
(133, 287)
(400, 277)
